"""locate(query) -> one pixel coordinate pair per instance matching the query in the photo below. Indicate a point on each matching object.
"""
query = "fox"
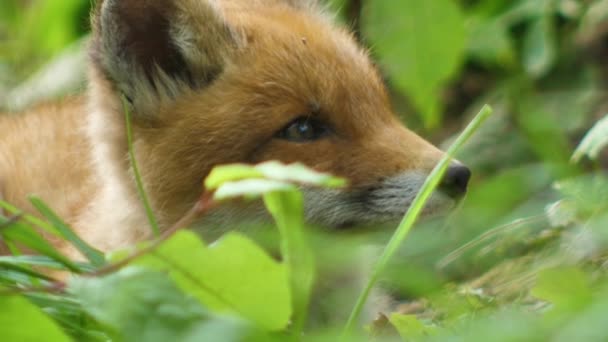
(212, 82)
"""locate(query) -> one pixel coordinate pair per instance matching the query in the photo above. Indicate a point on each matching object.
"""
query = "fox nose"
(455, 180)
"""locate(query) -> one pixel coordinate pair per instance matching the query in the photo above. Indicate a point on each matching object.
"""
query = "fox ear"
(151, 50)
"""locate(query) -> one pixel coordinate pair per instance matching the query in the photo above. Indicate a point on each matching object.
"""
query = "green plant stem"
(412, 214)
(136, 174)
(286, 209)
(201, 207)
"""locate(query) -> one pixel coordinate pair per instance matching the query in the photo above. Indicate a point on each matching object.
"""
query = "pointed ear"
(151, 50)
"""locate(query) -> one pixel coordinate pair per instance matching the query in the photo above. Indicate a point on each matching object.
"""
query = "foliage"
(522, 259)
(234, 276)
(404, 34)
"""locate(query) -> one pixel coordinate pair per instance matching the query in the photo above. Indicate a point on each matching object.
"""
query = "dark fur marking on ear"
(138, 32)
(147, 38)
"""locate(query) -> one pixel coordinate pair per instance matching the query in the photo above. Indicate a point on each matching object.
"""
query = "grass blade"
(33, 220)
(39, 261)
(92, 254)
(412, 214)
(7, 266)
(28, 237)
(136, 174)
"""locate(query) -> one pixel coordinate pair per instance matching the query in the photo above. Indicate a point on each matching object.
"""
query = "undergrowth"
(179, 287)
(176, 286)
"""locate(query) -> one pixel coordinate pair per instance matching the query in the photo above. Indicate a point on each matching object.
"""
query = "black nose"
(455, 180)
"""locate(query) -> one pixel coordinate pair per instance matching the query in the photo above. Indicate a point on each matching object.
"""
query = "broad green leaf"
(506, 325)
(539, 50)
(490, 43)
(51, 25)
(421, 44)
(567, 288)
(140, 305)
(22, 321)
(231, 275)
(286, 208)
(409, 327)
(572, 102)
(593, 142)
(92, 254)
(588, 325)
(546, 136)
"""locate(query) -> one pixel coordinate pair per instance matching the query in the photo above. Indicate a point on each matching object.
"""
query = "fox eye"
(303, 129)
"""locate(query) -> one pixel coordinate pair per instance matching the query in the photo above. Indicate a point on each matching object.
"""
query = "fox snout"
(385, 201)
(455, 180)
(386, 168)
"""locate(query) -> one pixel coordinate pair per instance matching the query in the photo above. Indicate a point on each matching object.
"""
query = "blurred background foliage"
(533, 231)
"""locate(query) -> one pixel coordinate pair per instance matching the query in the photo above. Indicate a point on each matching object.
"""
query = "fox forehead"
(304, 61)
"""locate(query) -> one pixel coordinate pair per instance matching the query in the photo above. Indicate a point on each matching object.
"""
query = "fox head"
(213, 82)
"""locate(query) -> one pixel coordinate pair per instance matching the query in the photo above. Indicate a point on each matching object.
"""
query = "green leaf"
(298, 173)
(22, 321)
(92, 254)
(229, 173)
(50, 25)
(272, 171)
(409, 327)
(562, 213)
(490, 43)
(539, 125)
(539, 50)
(588, 192)
(231, 275)
(587, 325)
(250, 188)
(287, 210)
(593, 142)
(140, 305)
(523, 10)
(421, 44)
(567, 288)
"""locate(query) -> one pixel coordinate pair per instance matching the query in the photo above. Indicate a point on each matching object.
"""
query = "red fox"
(213, 82)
